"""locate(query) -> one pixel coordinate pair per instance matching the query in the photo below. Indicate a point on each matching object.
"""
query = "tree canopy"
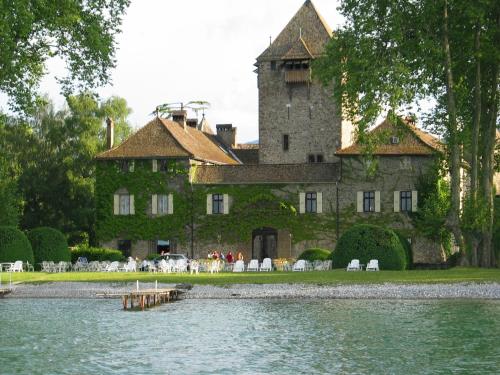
(82, 33)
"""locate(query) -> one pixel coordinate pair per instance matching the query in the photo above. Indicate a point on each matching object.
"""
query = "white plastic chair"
(164, 266)
(181, 265)
(214, 266)
(17, 266)
(194, 267)
(113, 267)
(299, 265)
(131, 266)
(253, 265)
(372, 265)
(353, 265)
(239, 266)
(266, 265)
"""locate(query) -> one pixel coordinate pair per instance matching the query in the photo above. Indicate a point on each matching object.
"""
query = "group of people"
(219, 255)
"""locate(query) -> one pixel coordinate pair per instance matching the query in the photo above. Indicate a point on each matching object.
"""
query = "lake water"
(58, 336)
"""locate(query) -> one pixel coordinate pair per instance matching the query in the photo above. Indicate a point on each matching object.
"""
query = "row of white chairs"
(354, 265)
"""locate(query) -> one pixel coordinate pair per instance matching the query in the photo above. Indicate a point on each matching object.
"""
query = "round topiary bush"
(14, 245)
(315, 254)
(49, 244)
(365, 242)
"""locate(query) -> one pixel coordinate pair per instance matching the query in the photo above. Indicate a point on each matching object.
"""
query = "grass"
(453, 275)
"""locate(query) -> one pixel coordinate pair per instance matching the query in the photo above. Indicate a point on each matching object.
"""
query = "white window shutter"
(414, 201)
(302, 203)
(132, 206)
(396, 201)
(132, 166)
(170, 207)
(155, 165)
(226, 204)
(209, 204)
(116, 204)
(319, 203)
(377, 201)
(359, 201)
(154, 204)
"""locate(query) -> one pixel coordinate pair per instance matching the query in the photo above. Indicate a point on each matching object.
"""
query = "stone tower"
(298, 120)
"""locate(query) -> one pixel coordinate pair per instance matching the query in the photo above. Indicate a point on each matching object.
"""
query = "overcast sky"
(178, 51)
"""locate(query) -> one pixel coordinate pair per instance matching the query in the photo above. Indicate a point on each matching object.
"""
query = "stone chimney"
(192, 122)
(180, 117)
(110, 133)
(226, 134)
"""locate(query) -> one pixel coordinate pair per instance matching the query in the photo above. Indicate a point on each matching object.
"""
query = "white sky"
(178, 51)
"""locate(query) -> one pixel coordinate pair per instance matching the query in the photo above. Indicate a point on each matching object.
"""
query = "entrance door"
(264, 243)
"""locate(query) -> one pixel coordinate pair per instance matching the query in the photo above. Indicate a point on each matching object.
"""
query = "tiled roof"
(247, 155)
(412, 141)
(298, 50)
(306, 23)
(265, 174)
(166, 138)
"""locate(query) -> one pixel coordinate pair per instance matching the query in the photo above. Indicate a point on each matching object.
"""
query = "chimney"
(180, 117)
(110, 133)
(226, 134)
(192, 122)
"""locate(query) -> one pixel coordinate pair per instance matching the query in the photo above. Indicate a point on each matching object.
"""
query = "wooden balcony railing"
(298, 76)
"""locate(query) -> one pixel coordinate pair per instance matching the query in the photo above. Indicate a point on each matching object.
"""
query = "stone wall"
(311, 121)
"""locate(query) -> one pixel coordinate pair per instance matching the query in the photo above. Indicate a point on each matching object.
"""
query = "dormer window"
(394, 140)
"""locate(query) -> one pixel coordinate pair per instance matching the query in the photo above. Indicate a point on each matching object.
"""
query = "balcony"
(298, 76)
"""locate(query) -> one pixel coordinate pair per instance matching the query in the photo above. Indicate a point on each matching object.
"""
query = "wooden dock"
(148, 298)
(4, 292)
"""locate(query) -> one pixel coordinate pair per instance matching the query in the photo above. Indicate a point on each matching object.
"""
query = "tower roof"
(305, 34)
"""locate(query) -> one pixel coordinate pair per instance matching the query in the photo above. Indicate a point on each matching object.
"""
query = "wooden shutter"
(377, 201)
(209, 204)
(319, 203)
(154, 204)
(302, 203)
(132, 207)
(131, 166)
(414, 201)
(116, 204)
(155, 165)
(359, 201)
(170, 207)
(226, 204)
(396, 201)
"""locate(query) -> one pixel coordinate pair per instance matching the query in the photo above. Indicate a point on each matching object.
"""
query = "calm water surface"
(56, 336)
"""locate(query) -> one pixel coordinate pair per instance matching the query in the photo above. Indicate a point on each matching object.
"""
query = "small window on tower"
(319, 158)
(286, 144)
(273, 65)
(311, 158)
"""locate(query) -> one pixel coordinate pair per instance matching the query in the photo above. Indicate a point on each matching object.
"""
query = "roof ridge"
(173, 135)
(323, 21)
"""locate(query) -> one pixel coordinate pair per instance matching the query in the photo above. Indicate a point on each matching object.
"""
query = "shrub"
(14, 245)
(407, 249)
(96, 253)
(365, 242)
(49, 244)
(315, 254)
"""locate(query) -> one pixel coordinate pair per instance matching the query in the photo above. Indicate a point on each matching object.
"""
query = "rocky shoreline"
(259, 291)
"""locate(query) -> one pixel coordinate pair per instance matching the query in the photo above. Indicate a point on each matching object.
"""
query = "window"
(311, 158)
(217, 203)
(124, 165)
(163, 165)
(405, 201)
(286, 142)
(319, 158)
(125, 246)
(368, 201)
(273, 65)
(162, 204)
(124, 204)
(311, 202)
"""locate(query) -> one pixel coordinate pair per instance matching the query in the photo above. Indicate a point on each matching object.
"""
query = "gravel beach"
(236, 291)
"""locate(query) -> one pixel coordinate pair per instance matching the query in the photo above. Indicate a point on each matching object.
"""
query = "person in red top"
(229, 257)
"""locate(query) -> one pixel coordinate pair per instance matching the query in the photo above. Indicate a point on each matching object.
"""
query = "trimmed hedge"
(365, 242)
(315, 254)
(96, 253)
(49, 244)
(14, 245)
(407, 249)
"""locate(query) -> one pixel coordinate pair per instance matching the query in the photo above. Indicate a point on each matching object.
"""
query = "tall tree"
(390, 55)
(82, 33)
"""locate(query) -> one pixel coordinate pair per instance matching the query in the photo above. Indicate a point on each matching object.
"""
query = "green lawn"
(315, 277)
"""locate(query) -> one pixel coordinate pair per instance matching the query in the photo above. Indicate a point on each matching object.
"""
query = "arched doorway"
(264, 243)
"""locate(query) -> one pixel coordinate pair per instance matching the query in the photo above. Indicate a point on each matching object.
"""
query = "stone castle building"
(176, 185)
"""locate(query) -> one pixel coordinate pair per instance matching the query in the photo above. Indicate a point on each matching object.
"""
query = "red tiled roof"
(412, 141)
(166, 138)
